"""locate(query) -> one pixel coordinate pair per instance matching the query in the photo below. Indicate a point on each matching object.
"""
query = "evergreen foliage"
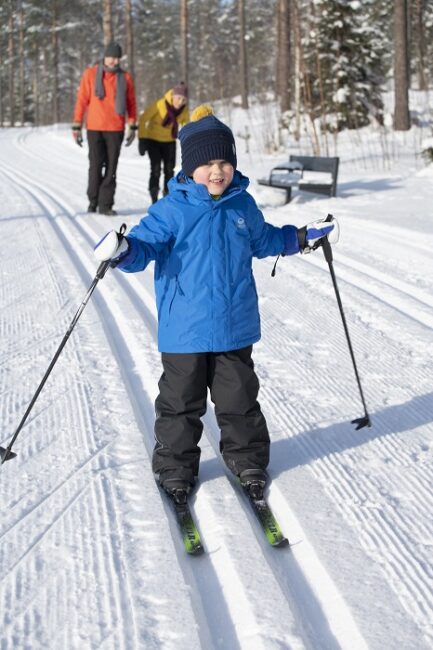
(345, 64)
(346, 49)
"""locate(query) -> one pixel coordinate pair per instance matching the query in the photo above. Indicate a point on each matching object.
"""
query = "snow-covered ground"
(89, 557)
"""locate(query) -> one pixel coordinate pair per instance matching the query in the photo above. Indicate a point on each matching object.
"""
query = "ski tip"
(282, 543)
(6, 454)
(196, 550)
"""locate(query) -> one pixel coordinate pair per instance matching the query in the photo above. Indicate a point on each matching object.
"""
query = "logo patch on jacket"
(240, 223)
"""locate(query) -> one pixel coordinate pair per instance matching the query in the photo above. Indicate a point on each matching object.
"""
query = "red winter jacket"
(101, 113)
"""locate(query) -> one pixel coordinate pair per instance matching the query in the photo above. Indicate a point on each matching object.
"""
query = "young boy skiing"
(202, 237)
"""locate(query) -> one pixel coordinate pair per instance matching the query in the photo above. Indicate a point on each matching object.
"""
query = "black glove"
(77, 135)
(141, 146)
(130, 136)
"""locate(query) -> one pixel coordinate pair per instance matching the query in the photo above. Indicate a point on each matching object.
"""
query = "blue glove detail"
(290, 239)
(315, 231)
(310, 236)
(130, 256)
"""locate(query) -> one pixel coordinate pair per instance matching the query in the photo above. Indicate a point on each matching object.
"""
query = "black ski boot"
(253, 481)
(178, 489)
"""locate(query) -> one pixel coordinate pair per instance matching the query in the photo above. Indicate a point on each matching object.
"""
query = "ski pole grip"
(327, 250)
(103, 267)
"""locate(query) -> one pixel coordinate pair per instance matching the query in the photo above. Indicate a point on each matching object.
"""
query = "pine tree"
(344, 64)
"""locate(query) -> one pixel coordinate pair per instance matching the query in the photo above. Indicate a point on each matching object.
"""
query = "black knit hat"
(113, 49)
(204, 140)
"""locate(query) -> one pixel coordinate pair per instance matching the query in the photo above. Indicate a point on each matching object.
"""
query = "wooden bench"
(316, 174)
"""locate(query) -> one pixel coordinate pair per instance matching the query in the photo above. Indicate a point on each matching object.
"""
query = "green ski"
(189, 531)
(187, 526)
(265, 516)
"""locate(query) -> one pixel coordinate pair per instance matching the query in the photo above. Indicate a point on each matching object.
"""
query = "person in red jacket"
(105, 100)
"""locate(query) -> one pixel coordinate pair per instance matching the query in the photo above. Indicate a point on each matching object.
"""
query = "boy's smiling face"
(216, 176)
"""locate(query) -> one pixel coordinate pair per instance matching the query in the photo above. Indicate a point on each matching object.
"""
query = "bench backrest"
(319, 164)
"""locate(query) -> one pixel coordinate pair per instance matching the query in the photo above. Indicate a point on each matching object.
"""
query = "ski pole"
(327, 251)
(5, 452)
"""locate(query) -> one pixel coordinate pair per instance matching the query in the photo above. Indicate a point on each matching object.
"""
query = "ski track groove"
(403, 237)
(35, 507)
(415, 581)
(329, 469)
(84, 426)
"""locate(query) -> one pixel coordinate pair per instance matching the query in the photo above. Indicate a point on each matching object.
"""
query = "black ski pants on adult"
(104, 152)
(181, 403)
(160, 153)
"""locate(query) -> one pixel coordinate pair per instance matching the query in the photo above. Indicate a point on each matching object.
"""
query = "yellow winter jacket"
(150, 121)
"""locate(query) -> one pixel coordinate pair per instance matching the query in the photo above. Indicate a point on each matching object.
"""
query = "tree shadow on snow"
(121, 212)
(315, 444)
(345, 190)
(359, 187)
(21, 217)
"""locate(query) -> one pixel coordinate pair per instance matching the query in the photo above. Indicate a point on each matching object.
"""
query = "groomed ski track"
(89, 557)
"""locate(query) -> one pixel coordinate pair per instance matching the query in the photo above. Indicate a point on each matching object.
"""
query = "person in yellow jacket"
(158, 128)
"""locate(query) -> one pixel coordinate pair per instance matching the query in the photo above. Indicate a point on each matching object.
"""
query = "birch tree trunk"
(107, 21)
(129, 37)
(401, 73)
(55, 62)
(1, 91)
(11, 67)
(35, 84)
(21, 58)
(420, 43)
(297, 39)
(283, 54)
(243, 54)
(184, 39)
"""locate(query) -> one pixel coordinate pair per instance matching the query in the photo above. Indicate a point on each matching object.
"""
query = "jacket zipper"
(212, 273)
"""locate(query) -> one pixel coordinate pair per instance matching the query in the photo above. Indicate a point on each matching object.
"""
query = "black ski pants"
(160, 153)
(104, 152)
(181, 403)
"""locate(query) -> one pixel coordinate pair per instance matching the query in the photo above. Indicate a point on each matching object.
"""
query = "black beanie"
(204, 140)
(113, 49)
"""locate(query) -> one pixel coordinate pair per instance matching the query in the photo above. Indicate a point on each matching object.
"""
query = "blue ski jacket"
(203, 248)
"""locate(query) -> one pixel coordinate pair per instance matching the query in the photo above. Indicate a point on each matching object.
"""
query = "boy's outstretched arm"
(267, 239)
(133, 252)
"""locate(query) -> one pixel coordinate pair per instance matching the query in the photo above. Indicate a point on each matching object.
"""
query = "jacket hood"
(162, 109)
(197, 192)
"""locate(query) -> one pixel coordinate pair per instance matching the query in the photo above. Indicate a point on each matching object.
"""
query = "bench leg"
(288, 195)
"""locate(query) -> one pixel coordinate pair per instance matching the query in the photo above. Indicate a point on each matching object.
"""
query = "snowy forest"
(328, 60)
